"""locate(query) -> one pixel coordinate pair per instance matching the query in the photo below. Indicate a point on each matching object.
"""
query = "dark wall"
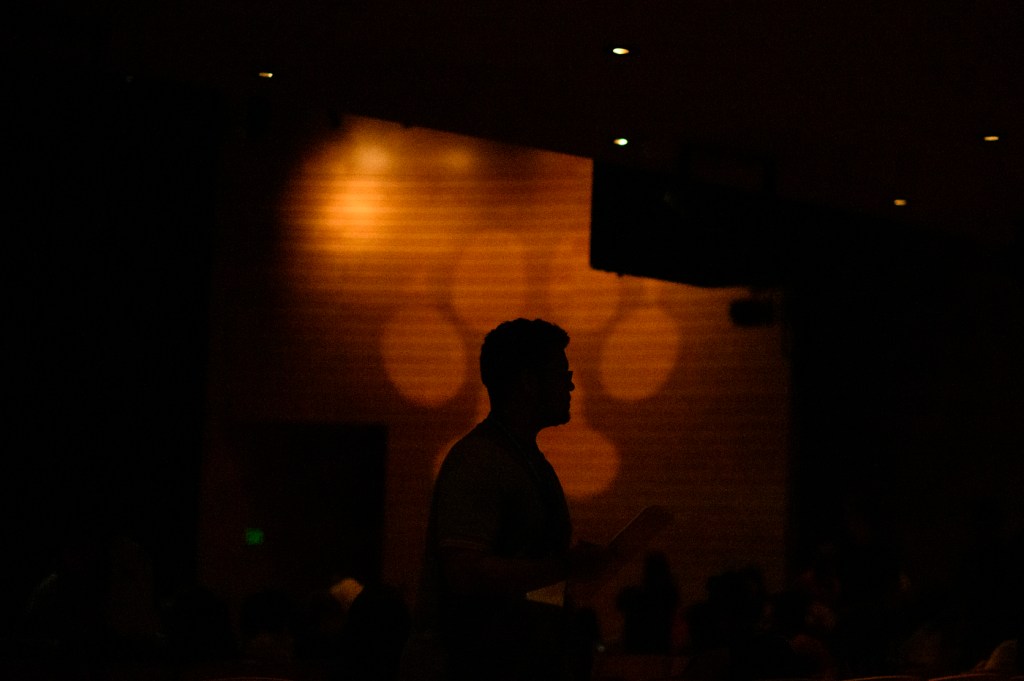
(908, 395)
(110, 218)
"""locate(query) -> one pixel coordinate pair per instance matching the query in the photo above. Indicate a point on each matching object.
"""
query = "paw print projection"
(426, 240)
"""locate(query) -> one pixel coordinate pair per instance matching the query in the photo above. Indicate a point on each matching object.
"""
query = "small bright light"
(620, 50)
(266, 74)
(621, 141)
(991, 138)
(899, 202)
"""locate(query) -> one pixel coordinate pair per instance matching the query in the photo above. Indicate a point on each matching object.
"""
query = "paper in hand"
(627, 543)
(638, 533)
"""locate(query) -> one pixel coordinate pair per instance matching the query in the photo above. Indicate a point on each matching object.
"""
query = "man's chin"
(559, 421)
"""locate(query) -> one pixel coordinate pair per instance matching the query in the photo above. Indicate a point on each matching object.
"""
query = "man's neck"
(521, 425)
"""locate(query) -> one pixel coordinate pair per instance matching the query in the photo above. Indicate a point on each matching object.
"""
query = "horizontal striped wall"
(386, 253)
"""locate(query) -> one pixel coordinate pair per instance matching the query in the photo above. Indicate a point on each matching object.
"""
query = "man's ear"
(526, 383)
(528, 380)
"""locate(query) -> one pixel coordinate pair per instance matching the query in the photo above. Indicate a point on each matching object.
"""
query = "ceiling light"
(991, 138)
(620, 51)
(899, 202)
(621, 141)
(266, 74)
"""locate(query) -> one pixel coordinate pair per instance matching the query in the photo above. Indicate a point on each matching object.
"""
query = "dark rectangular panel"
(316, 498)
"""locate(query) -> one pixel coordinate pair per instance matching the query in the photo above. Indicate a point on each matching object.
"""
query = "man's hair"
(516, 346)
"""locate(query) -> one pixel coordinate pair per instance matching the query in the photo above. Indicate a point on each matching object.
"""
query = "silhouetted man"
(499, 527)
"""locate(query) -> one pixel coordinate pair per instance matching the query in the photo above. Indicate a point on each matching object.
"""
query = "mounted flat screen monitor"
(666, 226)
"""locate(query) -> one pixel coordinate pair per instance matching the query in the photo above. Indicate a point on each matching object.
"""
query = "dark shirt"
(498, 494)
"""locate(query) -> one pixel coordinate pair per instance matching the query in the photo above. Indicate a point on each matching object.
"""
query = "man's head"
(524, 360)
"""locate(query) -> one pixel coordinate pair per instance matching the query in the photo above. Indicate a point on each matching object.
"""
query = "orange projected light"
(489, 284)
(573, 281)
(353, 219)
(420, 337)
(586, 461)
(639, 354)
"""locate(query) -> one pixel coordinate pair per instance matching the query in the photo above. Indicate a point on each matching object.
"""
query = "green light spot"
(253, 536)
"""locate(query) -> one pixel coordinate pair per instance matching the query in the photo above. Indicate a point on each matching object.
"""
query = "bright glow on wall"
(353, 217)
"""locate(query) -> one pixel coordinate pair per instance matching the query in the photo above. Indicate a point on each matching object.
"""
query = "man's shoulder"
(480, 448)
(483, 439)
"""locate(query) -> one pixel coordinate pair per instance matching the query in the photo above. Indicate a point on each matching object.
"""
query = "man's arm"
(472, 571)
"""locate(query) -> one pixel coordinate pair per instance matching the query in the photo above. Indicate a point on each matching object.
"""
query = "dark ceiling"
(851, 104)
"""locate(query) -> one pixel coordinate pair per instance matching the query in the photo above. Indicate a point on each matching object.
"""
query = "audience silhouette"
(267, 626)
(198, 629)
(377, 623)
(729, 634)
(859, 591)
(795, 616)
(649, 609)
(98, 604)
(848, 615)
